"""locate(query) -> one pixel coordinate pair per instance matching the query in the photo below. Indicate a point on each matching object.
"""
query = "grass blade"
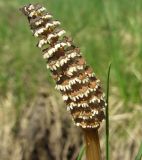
(139, 155)
(81, 153)
(107, 114)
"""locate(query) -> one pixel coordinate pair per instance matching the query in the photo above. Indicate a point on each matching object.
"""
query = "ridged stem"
(93, 151)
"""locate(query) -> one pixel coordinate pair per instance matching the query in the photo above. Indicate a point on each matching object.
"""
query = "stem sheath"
(93, 151)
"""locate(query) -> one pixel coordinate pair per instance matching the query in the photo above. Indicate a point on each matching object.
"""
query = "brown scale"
(41, 18)
(94, 106)
(85, 112)
(36, 7)
(68, 101)
(94, 79)
(53, 40)
(83, 88)
(63, 70)
(58, 55)
(62, 39)
(87, 99)
(94, 124)
(61, 56)
(55, 75)
(76, 61)
(77, 103)
(65, 82)
(77, 91)
(81, 73)
(66, 50)
(33, 21)
(82, 76)
(80, 91)
(76, 112)
(77, 119)
(25, 10)
(97, 105)
(68, 63)
(93, 84)
(89, 120)
(98, 92)
(67, 77)
(100, 115)
(75, 87)
(47, 31)
(37, 13)
(88, 70)
(56, 38)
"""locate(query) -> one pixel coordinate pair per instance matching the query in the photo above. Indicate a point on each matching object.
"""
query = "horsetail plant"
(80, 88)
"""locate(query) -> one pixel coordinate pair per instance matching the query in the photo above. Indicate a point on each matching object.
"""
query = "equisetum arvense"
(80, 88)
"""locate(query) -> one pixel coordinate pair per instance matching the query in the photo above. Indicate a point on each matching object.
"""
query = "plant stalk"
(93, 151)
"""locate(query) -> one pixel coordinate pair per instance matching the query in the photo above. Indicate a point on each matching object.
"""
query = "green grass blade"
(139, 155)
(81, 153)
(107, 114)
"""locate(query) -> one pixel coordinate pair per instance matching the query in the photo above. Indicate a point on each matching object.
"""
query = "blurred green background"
(107, 31)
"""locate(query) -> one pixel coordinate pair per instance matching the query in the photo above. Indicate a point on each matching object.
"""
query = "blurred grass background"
(105, 30)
